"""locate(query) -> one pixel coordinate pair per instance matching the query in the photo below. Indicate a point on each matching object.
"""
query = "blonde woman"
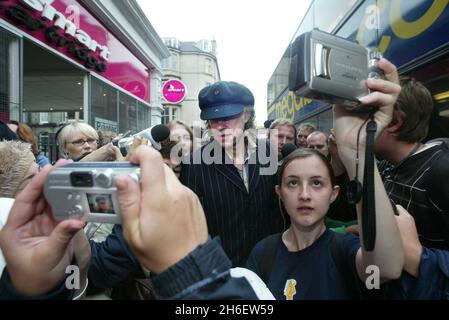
(78, 140)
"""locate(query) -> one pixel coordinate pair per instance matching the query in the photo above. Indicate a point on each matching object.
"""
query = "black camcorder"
(332, 69)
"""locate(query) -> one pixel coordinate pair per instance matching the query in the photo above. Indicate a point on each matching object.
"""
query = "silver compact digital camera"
(87, 190)
(332, 69)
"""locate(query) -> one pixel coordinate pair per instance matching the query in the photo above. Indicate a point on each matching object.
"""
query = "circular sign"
(174, 91)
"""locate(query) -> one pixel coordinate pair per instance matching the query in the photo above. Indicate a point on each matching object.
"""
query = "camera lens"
(104, 179)
(82, 179)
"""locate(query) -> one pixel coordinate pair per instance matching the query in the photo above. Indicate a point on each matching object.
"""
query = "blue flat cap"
(224, 99)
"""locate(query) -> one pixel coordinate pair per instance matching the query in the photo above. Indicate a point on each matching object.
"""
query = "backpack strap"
(268, 256)
(344, 267)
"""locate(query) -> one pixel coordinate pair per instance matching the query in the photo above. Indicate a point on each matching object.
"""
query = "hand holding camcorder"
(332, 69)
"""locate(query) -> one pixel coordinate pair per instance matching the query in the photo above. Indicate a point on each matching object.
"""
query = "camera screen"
(100, 203)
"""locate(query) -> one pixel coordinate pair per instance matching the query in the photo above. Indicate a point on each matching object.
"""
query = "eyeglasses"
(81, 142)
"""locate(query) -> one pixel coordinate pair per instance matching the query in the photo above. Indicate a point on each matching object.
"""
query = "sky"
(251, 35)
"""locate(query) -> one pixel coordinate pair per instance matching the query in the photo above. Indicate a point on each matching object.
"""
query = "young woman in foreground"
(304, 264)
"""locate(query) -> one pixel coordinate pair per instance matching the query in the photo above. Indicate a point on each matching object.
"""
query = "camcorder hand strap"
(369, 205)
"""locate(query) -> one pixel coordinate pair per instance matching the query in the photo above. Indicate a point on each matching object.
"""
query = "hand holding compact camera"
(332, 69)
(158, 206)
(87, 190)
(36, 248)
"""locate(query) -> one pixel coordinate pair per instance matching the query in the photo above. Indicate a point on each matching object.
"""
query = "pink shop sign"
(174, 91)
(68, 27)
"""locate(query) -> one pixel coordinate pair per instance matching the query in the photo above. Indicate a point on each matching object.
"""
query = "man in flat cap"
(234, 174)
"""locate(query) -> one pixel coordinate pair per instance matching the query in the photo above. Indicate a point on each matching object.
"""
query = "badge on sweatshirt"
(290, 289)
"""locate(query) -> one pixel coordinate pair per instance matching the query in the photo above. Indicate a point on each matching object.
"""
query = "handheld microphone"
(157, 134)
(154, 135)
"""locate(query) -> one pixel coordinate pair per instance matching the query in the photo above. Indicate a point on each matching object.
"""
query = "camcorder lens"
(82, 179)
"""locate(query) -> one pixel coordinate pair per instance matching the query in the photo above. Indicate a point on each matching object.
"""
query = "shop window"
(103, 106)
(142, 116)
(53, 91)
(43, 117)
(127, 113)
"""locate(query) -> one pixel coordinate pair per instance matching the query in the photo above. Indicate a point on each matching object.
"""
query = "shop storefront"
(64, 60)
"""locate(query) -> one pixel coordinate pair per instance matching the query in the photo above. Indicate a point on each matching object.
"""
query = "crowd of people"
(239, 217)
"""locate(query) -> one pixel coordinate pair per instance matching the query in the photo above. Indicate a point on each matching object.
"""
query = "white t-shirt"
(5, 207)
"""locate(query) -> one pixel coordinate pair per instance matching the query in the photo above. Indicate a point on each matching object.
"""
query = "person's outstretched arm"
(38, 249)
(388, 254)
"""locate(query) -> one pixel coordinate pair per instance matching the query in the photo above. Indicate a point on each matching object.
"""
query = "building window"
(208, 66)
(174, 113)
(204, 45)
(165, 63)
(170, 113)
(171, 62)
(174, 61)
(165, 116)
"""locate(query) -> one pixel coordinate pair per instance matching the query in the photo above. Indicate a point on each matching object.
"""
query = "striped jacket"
(239, 217)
